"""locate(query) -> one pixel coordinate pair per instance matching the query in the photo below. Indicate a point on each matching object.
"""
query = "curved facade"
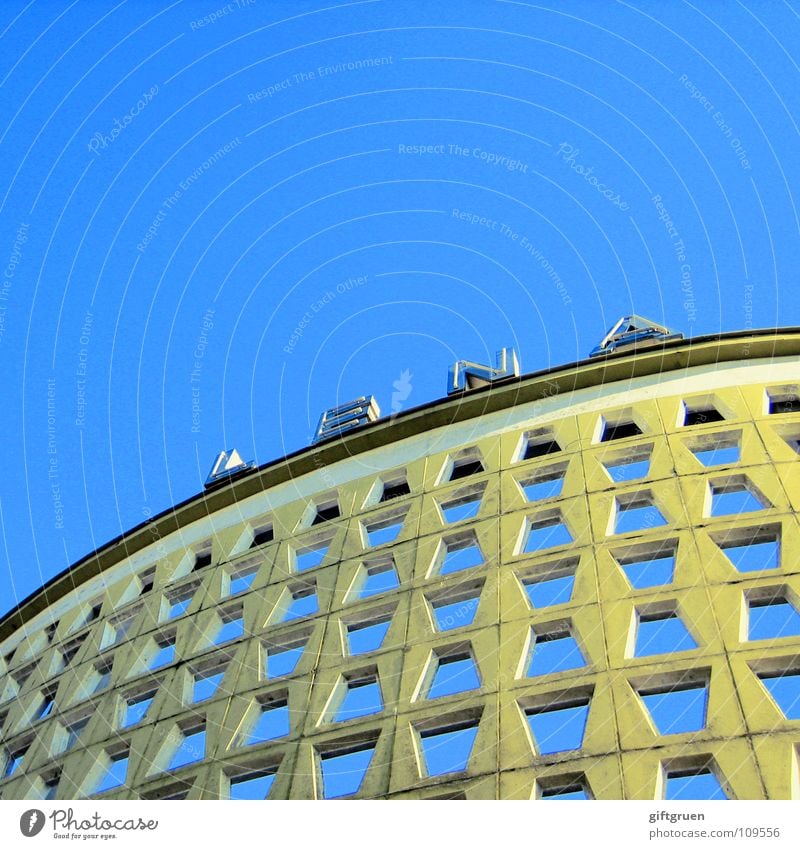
(580, 583)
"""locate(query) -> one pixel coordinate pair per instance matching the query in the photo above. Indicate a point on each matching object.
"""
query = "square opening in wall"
(462, 507)
(559, 723)
(554, 649)
(716, 449)
(621, 425)
(771, 615)
(698, 782)
(783, 399)
(251, 785)
(629, 464)
(367, 635)
(551, 584)
(544, 483)
(545, 531)
(356, 695)
(343, 770)
(676, 702)
(458, 553)
(448, 748)
(700, 411)
(651, 565)
(538, 443)
(732, 496)
(661, 632)
(751, 549)
(636, 511)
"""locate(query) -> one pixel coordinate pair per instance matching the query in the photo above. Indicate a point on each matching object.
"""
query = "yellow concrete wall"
(748, 742)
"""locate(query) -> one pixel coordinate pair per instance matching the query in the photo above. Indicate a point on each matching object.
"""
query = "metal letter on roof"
(465, 375)
(227, 464)
(346, 417)
(634, 330)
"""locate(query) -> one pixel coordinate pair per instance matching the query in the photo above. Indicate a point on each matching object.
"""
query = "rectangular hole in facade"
(648, 566)
(693, 783)
(560, 724)
(135, 708)
(262, 534)
(636, 512)
(551, 585)
(384, 529)
(191, 747)
(311, 556)
(231, 626)
(362, 697)
(282, 659)
(375, 579)
(272, 721)
(716, 449)
(611, 431)
(544, 484)
(326, 513)
(783, 400)
(751, 549)
(566, 789)
(300, 602)
(554, 651)
(114, 773)
(396, 489)
(466, 467)
(546, 532)
(459, 553)
(628, 465)
(784, 688)
(456, 608)
(251, 785)
(454, 673)
(462, 506)
(448, 749)
(678, 705)
(367, 636)
(539, 444)
(661, 632)
(772, 616)
(343, 771)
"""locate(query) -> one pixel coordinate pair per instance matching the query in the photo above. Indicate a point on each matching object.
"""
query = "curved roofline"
(624, 364)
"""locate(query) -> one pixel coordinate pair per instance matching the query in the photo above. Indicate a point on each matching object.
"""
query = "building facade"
(581, 583)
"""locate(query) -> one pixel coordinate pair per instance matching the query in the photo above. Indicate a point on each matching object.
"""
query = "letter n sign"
(465, 375)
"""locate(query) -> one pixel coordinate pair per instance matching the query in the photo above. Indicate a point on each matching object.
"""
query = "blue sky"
(220, 219)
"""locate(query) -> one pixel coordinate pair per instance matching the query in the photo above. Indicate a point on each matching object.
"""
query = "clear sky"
(220, 219)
